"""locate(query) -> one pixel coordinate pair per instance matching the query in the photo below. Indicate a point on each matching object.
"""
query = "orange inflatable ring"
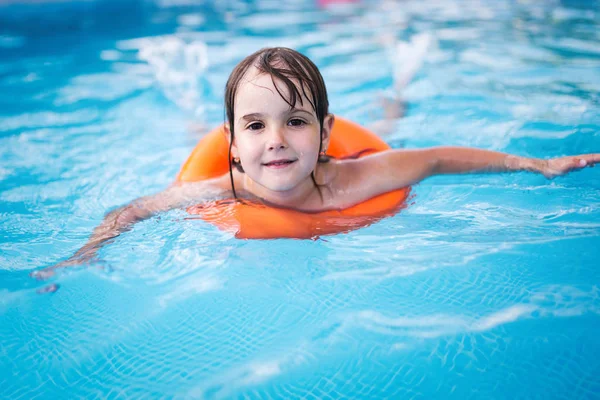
(249, 220)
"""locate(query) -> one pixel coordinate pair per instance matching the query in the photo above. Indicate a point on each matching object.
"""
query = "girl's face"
(278, 147)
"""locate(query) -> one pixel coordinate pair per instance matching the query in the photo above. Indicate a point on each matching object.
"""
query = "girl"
(278, 126)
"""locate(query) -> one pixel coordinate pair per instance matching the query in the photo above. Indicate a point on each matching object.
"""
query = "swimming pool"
(484, 287)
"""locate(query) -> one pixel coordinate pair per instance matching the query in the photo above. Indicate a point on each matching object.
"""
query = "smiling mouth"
(279, 163)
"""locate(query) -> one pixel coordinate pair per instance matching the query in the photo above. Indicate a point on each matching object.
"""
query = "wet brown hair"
(301, 78)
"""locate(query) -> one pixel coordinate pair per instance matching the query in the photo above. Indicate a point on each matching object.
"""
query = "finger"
(48, 289)
(577, 162)
(571, 163)
(42, 274)
(592, 159)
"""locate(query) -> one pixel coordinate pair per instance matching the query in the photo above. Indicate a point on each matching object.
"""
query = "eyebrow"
(255, 116)
(252, 117)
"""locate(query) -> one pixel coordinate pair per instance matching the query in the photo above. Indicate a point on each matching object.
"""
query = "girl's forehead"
(258, 89)
(255, 82)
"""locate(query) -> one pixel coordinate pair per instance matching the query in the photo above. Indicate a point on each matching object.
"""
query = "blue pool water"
(484, 287)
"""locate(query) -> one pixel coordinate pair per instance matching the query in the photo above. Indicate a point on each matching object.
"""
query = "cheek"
(247, 147)
(250, 154)
(308, 144)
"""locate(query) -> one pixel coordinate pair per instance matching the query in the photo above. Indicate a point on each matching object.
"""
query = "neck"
(298, 197)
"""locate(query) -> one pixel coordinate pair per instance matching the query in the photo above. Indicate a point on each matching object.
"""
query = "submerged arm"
(123, 218)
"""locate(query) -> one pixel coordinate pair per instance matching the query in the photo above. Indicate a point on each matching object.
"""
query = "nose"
(277, 140)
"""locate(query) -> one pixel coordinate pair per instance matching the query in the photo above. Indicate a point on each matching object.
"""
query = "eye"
(255, 126)
(296, 122)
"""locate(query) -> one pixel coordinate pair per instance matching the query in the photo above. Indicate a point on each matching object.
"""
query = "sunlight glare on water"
(483, 287)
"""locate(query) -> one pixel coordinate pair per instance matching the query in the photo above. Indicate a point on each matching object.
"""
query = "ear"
(327, 128)
(227, 133)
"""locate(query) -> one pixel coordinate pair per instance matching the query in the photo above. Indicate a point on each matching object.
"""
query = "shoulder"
(185, 193)
(347, 173)
(354, 181)
(346, 182)
(223, 182)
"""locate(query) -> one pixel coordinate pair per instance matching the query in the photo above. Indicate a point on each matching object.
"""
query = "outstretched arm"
(391, 170)
(122, 219)
(457, 160)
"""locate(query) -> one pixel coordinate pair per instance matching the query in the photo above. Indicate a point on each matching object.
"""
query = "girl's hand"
(48, 272)
(82, 258)
(563, 165)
